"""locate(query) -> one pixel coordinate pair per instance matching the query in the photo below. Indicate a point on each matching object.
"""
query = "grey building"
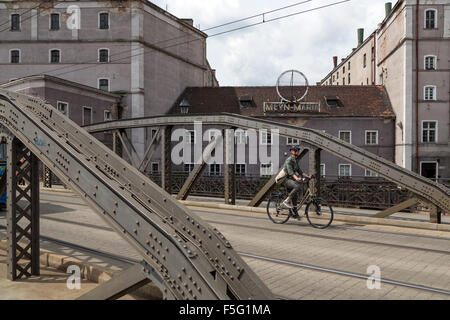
(80, 103)
(132, 47)
(360, 115)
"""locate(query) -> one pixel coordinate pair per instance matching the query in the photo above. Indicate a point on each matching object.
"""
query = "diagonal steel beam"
(147, 152)
(197, 171)
(125, 282)
(119, 134)
(397, 208)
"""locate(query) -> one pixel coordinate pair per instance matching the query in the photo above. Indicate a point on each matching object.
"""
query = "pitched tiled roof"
(354, 101)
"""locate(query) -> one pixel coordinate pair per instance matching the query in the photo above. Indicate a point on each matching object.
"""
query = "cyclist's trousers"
(294, 188)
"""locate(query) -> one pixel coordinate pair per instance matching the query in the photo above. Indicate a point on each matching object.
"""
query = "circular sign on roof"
(292, 86)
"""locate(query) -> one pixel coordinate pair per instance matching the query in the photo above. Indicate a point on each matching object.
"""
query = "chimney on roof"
(335, 58)
(188, 21)
(360, 36)
(388, 8)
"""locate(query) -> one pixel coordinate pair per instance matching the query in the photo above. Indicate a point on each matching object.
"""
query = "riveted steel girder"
(194, 260)
(433, 192)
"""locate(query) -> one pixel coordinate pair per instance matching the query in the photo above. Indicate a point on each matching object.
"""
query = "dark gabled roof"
(354, 101)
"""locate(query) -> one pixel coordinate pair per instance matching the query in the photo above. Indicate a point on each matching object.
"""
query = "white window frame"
(50, 55)
(67, 105)
(50, 21)
(435, 19)
(266, 134)
(435, 134)
(104, 115)
(103, 78)
(98, 55)
(377, 138)
(434, 92)
(240, 135)
(372, 174)
(188, 164)
(109, 20)
(345, 164)
(210, 171)
(269, 169)
(434, 62)
(20, 55)
(151, 167)
(340, 131)
(10, 22)
(245, 168)
(324, 169)
(82, 115)
(188, 132)
(437, 168)
(293, 143)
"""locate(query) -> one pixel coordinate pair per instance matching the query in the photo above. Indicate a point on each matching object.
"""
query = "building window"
(241, 137)
(430, 19)
(155, 167)
(349, 66)
(103, 84)
(190, 136)
(266, 169)
(292, 141)
(107, 115)
(86, 116)
(322, 170)
(188, 167)
(343, 69)
(429, 93)
(343, 81)
(345, 136)
(365, 61)
(241, 169)
(63, 107)
(103, 20)
(266, 138)
(15, 22)
(430, 62)
(369, 173)
(429, 169)
(429, 131)
(103, 55)
(348, 79)
(214, 169)
(55, 56)
(371, 137)
(345, 170)
(14, 56)
(54, 21)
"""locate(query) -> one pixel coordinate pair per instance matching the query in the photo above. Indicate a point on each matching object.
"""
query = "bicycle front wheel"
(276, 211)
(319, 213)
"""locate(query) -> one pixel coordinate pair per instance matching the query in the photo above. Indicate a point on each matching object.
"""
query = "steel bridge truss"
(426, 191)
(182, 255)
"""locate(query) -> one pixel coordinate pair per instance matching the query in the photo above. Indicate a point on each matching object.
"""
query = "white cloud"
(257, 55)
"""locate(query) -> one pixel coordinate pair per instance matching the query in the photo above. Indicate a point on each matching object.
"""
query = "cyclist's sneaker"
(287, 204)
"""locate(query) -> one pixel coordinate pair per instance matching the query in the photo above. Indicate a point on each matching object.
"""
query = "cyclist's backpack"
(281, 176)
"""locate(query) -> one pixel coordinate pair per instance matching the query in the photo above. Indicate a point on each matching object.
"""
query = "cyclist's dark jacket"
(291, 167)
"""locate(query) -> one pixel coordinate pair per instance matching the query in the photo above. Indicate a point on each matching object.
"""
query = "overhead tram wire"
(211, 36)
(128, 51)
(23, 13)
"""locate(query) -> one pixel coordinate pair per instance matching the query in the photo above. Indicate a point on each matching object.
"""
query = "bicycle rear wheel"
(276, 211)
(319, 213)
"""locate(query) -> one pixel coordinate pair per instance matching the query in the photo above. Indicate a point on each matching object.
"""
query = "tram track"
(130, 261)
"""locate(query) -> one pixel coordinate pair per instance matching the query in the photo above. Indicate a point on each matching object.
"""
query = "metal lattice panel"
(23, 211)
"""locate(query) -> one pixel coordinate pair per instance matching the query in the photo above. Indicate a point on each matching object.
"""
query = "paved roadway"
(286, 257)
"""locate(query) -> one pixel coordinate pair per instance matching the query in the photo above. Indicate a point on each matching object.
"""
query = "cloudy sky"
(258, 55)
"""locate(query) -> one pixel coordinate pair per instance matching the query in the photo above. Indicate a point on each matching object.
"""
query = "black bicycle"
(318, 212)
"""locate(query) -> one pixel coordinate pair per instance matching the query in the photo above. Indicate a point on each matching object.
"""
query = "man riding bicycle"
(294, 177)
